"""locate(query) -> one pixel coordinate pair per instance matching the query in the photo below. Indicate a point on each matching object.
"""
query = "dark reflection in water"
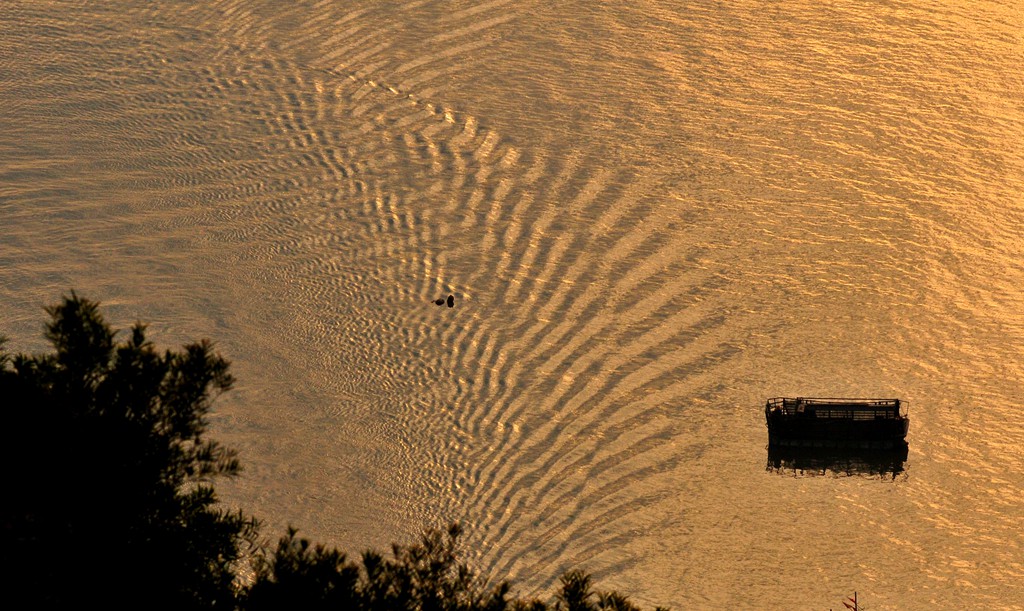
(837, 461)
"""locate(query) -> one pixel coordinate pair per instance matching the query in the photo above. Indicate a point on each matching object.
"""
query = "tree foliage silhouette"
(110, 499)
(110, 495)
(426, 576)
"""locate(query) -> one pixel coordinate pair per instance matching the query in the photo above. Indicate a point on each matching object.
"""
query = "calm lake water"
(652, 215)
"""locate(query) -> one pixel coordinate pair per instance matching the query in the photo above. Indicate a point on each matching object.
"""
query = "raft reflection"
(837, 461)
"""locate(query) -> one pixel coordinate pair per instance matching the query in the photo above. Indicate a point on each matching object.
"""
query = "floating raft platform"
(846, 423)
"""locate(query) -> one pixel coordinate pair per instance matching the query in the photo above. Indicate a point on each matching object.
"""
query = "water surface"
(652, 215)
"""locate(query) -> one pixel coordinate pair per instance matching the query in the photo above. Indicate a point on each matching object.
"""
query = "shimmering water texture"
(650, 216)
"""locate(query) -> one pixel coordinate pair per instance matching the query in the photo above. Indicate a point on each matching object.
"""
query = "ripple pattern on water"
(650, 218)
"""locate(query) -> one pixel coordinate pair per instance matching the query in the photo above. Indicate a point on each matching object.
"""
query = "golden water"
(653, 215)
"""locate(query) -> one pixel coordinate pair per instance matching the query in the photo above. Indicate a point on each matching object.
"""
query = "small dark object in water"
(439, 301)
(451, 301)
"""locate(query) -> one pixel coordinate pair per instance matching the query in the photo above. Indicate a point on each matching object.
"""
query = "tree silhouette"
(109, 497)
(300, 575)
(426, 576)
